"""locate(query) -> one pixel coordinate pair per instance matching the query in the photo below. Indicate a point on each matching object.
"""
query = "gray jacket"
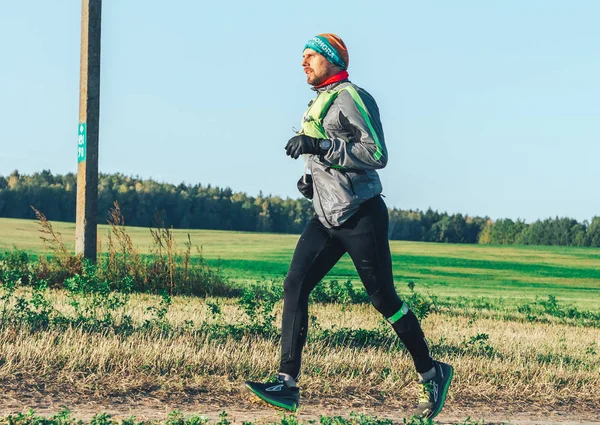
(358, 147)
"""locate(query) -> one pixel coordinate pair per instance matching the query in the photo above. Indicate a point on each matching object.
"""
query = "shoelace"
(426, 391)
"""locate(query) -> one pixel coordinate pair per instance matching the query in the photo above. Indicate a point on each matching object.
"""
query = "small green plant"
(258, 302)
(159, 320)
(96, 306)
(177, 418)
(101, 419)
(354, 419)
(479, 345)
(420, 304)
(382, 336)
(215, 308)
(334, 292)
(418, 420)
(27, 306)
(223, 419)
(14, 268)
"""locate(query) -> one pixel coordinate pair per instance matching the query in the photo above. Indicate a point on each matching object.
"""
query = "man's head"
(324, 56)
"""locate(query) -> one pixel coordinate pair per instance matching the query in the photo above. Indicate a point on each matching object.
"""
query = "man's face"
(316, 67)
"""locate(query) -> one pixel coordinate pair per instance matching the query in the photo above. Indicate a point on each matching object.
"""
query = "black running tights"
(365, 238)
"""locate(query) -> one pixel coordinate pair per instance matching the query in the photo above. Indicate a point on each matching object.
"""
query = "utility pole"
(86, 229)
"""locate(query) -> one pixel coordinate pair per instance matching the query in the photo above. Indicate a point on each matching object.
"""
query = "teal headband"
(322, 46)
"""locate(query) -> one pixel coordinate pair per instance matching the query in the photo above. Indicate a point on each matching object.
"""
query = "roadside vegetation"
(168, 323)
(64, 417)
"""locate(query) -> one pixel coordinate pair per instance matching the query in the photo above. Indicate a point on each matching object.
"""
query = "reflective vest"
(312, 122)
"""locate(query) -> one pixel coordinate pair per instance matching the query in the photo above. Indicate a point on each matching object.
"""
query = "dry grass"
(543, 366)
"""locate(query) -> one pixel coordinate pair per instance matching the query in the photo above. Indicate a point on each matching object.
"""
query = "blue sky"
(488, 108)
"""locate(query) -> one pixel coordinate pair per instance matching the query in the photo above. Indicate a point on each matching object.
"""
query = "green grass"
(513, 273)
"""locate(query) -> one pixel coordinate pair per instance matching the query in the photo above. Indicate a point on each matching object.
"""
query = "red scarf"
(334, 79)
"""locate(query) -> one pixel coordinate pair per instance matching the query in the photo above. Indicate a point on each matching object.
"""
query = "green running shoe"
(277, 393)
(434, 391)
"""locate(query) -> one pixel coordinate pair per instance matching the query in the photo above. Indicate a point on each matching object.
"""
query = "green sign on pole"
(81, 142)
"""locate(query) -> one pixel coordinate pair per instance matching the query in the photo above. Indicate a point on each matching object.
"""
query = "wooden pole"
(89, 117)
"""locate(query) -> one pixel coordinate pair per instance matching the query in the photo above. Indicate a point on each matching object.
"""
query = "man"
(342, 140)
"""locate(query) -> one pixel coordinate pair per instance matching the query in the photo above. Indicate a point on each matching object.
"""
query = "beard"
(315, 80)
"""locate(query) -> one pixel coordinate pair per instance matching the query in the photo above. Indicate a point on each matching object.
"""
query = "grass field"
(515, 274)
(62, 344)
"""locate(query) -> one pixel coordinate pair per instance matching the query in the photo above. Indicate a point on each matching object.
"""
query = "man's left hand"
(301, 144)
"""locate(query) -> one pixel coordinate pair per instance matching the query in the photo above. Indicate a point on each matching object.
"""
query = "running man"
(343, 143)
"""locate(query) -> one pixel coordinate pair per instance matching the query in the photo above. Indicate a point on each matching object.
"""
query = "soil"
(247, 408)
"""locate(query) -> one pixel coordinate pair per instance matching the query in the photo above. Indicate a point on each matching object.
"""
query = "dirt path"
(248, 410)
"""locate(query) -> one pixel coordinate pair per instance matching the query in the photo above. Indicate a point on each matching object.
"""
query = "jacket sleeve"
(363, 146)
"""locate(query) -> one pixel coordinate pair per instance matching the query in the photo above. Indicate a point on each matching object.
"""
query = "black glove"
(306, 189)
(302, 143)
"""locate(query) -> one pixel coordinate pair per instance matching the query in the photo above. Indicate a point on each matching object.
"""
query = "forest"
(145, 202)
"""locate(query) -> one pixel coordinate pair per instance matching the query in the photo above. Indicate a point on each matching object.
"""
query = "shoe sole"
(444, 394)
(273, 403)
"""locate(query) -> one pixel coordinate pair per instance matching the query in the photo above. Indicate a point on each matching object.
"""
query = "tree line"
(145, 202)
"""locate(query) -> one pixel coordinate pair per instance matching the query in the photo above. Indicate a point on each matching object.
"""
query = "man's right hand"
(306, 188)
(301, 144)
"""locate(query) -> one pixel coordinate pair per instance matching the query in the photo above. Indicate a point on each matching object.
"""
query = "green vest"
(312, 122)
